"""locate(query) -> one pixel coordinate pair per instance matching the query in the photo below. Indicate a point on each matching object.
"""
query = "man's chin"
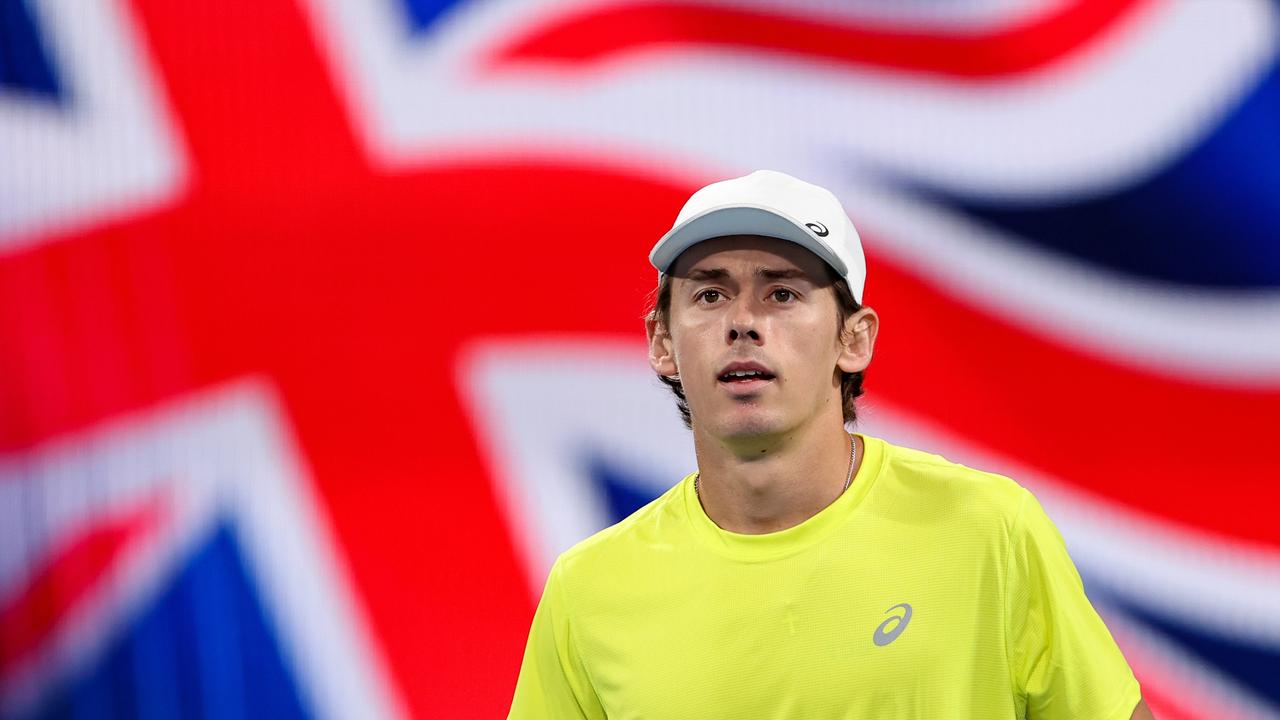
(746, 425)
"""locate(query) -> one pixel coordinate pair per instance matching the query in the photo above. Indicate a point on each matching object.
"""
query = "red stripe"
(1166, 693)
(30, 617)
(1164, 703)
(1194, 453)
(599, 33)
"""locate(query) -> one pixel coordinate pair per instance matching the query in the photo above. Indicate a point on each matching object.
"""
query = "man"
(802, 571)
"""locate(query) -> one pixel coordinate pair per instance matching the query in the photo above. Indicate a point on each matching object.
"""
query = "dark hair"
(846, 306)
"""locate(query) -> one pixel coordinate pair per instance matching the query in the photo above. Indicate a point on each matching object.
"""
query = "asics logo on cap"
(818, 229)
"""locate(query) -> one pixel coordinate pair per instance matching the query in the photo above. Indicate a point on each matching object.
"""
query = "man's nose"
(743, 322)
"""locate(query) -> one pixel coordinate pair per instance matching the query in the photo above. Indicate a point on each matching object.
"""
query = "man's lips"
(744, 377)
(745, 386)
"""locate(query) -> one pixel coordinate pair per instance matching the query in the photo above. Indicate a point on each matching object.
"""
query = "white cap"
(771, 204)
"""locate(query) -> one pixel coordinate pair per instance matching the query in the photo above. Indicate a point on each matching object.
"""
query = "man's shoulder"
(650, 527)
(941, 481)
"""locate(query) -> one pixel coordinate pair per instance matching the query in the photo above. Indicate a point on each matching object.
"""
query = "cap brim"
(738, 220)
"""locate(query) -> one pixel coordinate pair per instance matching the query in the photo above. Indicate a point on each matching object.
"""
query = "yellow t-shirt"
(927, 590)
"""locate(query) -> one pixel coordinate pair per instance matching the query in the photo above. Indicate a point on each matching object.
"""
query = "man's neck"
(768, 484)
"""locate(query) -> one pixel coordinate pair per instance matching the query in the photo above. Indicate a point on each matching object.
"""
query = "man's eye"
(783, 295)
(708, 295)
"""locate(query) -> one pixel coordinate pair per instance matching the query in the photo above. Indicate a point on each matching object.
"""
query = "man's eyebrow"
(787, 274)
(701, 274)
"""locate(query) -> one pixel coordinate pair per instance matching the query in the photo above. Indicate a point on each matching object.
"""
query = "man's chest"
(816, 635)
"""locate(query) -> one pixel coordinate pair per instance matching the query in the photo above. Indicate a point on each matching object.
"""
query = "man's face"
(753, 336)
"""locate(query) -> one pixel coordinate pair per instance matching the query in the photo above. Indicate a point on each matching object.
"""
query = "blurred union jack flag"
(319, 319)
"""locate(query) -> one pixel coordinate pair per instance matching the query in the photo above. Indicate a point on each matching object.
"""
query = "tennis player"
(803, 571)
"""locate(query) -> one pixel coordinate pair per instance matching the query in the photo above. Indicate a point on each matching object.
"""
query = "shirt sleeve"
(1065, 663)
(553, 682)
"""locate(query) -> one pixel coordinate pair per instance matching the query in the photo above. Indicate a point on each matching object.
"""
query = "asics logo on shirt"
(892, 627)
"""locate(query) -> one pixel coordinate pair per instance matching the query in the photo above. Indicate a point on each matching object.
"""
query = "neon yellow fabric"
(665, 615)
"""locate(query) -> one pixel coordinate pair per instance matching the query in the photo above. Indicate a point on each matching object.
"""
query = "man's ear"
(661, 356)
(858, 340)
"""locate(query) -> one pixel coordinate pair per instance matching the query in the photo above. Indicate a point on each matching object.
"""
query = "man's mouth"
(745, 377)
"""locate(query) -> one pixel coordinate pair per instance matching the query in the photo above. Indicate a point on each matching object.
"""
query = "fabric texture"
(927, 590)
